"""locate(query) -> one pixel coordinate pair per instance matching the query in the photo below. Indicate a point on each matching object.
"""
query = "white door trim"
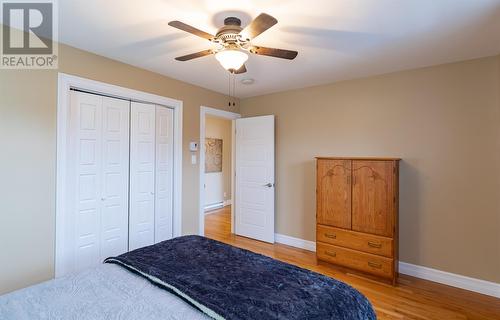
(204, 111)
(65, 83)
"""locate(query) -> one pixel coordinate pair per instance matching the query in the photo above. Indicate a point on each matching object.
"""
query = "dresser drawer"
(369, 263)
(355, 240)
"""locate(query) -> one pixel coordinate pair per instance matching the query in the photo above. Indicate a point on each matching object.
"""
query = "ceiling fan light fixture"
(231, 59)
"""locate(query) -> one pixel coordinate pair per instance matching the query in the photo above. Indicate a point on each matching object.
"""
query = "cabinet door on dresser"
(373, 197)
(334, 193)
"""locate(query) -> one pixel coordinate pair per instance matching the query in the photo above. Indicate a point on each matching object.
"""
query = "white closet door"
(85, 172)
(98, 179)
(142, 175)
(115, 176)
(164, 174)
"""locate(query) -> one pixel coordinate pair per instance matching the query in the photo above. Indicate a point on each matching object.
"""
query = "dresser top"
(360, 158)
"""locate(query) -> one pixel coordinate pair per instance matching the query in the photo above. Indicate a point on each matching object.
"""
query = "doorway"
(252, 210)
(216, 165)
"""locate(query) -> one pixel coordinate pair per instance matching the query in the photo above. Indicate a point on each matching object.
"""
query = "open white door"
(254, 203)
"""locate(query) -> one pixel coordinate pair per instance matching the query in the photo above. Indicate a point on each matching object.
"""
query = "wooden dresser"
(357, 214)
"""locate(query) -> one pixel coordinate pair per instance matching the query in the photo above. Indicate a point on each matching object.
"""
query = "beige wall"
(222, 129)
(28, 155)
(443, 121)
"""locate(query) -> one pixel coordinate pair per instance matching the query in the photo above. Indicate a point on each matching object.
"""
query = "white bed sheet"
(106, 292)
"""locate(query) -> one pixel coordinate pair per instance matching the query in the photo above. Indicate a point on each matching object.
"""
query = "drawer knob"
(331, 235)
(374, 265)
(331, 253)
(374, 244)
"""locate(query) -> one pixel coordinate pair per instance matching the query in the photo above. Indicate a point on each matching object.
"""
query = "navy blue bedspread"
(234, 283)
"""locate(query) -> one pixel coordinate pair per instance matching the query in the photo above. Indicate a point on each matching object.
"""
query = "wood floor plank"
(411, 298)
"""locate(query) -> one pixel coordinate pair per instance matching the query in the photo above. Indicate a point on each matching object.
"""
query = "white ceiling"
(336, 39)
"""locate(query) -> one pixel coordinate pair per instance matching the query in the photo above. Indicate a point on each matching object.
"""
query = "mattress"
(106, 292)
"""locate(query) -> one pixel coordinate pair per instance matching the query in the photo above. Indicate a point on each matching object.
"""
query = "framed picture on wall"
(213, 155)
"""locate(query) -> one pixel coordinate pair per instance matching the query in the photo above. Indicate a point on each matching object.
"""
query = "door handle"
(269, 185)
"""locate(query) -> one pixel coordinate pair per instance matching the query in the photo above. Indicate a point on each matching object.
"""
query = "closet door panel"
(373, 197)
(164, 174)
(85, 170)
(115, 173)
(142, 175)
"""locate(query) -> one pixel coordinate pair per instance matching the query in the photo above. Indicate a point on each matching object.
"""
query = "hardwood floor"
(412, 298)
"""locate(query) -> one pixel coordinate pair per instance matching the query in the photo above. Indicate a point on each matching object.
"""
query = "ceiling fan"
(233, 42)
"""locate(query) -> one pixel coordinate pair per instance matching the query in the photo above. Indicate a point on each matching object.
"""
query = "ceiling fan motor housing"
(229, 33)
(232, 21)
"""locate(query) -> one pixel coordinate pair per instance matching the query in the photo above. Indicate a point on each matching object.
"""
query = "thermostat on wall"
(193, 146)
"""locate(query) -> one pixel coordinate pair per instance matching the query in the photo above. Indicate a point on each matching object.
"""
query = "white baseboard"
(295, 242)
(451, 279)
(443, 277)
(228, 202)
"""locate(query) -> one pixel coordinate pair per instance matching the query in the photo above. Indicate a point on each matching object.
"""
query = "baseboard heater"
(213, 206)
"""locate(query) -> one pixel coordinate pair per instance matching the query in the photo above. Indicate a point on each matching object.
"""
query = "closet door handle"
(331, 235)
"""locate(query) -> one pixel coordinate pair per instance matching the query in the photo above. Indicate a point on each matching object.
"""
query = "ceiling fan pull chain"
(229, 89)
(234, 89)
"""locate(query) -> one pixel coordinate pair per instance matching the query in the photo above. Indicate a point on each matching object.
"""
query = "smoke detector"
(247, 81)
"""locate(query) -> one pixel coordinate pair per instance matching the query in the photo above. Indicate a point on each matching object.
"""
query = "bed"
(189, 277)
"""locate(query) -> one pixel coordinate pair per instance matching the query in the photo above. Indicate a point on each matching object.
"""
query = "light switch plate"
(193, 146)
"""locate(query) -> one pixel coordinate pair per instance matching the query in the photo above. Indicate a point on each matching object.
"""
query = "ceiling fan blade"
(185, 27)
(195, 55)
(273, 52)
(258, 25)
(243, 69)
